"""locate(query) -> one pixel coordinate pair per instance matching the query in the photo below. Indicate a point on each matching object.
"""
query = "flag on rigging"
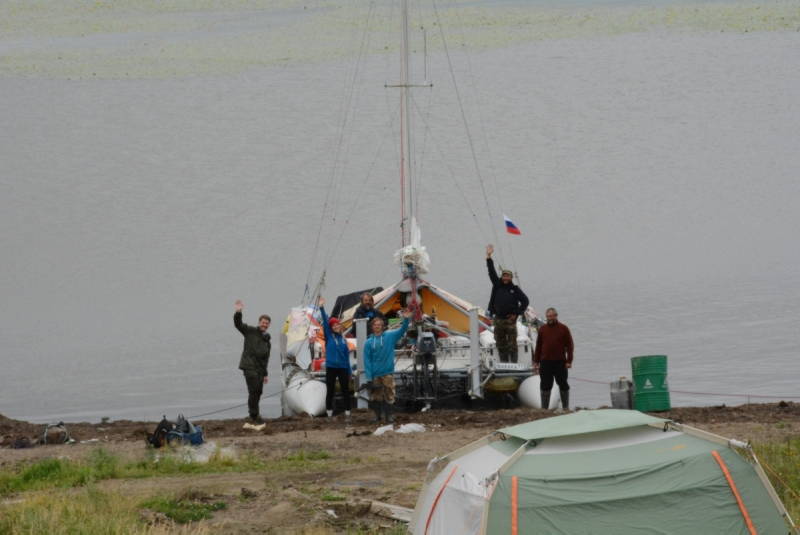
(511, 228)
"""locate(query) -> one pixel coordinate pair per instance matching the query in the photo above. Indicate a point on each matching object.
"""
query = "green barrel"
(650, 387)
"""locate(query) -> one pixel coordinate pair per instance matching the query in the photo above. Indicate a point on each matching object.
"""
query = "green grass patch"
(100, 465)
(87, 511)
(304, 455)
(781, 461)
(183, 510)
(300, 461)
(331, 497)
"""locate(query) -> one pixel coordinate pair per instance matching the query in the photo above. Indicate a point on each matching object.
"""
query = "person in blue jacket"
(337, 361)
(379, 365)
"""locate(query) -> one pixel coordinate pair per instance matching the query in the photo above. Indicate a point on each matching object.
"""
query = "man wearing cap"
(553, 357)
(506, 303)
(337, 361)
(255, 357)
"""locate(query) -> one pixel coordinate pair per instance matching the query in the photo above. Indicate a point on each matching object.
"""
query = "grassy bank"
(66, 496)
(101, 465)
(57, 495)
(781, 461)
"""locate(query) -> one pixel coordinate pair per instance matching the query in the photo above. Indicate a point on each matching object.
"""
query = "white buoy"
(530, 394)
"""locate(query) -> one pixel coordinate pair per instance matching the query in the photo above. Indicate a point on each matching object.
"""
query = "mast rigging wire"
(350, 89)
(466, 125)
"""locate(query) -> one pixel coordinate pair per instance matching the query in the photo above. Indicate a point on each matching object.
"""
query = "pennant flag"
(511, 228)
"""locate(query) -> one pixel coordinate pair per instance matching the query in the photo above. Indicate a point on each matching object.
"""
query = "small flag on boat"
(511, 228)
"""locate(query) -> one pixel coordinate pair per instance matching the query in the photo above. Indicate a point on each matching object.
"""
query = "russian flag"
(511, 228)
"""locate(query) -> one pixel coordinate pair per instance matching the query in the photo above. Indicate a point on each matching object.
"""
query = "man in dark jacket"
(255, 357)
(367, 310)
(553, 357)
(506, 303)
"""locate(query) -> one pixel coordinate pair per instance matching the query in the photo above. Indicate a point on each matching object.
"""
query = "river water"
(156, 166)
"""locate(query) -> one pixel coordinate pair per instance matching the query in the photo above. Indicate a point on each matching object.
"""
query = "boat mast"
(406, 180)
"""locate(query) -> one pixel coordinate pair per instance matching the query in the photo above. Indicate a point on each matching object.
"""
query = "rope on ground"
(779, 478)
(240, 405)
(732, 395)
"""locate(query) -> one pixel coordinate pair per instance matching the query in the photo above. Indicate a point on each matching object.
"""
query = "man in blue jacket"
(379, 365)
(337, 361)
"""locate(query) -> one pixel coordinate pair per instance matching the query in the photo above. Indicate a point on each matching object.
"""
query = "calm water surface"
(654, 177)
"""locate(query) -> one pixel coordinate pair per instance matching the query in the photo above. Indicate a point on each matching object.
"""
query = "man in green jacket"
(255, 357)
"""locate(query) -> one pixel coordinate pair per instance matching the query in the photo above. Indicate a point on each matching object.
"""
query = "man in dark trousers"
(553, 357)
(255, 356)
(506, 303)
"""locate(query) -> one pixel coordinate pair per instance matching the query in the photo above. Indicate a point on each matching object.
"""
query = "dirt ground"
(359, 468)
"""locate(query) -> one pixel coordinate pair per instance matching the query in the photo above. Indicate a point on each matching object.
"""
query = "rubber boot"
(545, 399)
(329, 413)
(376, 408)
(388, 411)
(565, 399)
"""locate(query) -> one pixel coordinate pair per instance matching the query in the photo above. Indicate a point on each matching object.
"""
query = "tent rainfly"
(599, 472)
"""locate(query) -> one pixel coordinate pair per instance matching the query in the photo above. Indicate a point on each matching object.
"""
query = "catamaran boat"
(448, 355)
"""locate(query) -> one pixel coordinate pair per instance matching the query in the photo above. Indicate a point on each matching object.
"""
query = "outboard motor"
(427, 344)
(426, 372)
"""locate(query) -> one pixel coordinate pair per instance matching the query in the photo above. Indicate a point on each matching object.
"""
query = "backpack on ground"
(159, 437)
(185, 433)
(181, 431)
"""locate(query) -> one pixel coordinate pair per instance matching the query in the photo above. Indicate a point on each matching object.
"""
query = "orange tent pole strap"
(436, 501)
(751, 528)
(514, 505)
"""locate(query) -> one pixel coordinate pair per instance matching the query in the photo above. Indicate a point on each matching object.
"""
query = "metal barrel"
(650, 386)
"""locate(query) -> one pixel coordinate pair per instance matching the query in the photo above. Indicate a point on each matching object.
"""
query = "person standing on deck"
(367, 310)
(337, 361)
(255, 357)
(553, 357)
(506, 303)
(379, 365)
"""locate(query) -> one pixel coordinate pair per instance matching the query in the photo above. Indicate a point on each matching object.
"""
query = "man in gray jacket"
(255, 357)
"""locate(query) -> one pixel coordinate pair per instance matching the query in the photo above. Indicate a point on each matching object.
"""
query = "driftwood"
(394, 512)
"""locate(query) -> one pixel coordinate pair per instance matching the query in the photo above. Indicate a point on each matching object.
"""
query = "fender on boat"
(302, 393)
(530, 394)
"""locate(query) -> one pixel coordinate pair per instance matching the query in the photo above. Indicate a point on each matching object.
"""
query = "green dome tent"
(599, 472)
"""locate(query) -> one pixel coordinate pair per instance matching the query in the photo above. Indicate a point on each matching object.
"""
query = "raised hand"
(321, 301)
(489, 250)
(238, 305)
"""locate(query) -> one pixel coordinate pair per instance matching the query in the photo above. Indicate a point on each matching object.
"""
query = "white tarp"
(414, 253)
(298, 331)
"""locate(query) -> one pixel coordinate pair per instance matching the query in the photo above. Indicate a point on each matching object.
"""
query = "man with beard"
(553, 357)
(255, 357)
(367, 310)
(506, 303)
